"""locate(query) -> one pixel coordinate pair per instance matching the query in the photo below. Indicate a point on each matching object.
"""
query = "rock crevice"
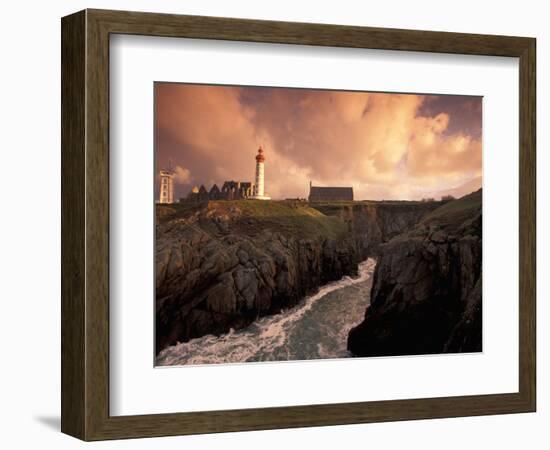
(212, 278)
(221, 265)
(426, 294)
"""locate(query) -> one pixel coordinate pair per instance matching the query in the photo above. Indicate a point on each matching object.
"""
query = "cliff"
(223, 264)
(371, 223)
(426, 294)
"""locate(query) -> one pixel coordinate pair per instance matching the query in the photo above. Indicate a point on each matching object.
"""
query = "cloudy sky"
(387, 146)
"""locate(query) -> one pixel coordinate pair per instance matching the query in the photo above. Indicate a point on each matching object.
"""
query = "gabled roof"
(236, 184)
(330, 193)
(229, 184)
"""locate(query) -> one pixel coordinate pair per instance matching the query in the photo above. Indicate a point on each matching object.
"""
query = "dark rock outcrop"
(222, 265)
(371, 224)
(426, 294)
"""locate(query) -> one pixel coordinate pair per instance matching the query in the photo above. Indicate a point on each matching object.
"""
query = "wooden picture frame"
(85, 224)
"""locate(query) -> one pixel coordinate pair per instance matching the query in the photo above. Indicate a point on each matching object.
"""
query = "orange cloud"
(384, 145)
(182, 175)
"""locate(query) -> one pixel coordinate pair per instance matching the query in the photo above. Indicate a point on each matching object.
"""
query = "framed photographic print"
(267, 224)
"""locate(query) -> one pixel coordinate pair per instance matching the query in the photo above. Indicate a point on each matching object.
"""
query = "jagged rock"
(211, 279)
(438, 236)
(372, 224)
(221, 266)
(466, 335)
(426, 294)
(221, 297)
(243, 256)
(246, 282)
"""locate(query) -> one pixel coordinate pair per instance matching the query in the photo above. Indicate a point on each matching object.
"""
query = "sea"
(316, 328)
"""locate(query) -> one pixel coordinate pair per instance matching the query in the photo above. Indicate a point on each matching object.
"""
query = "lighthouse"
(259, 193)
(166, 193)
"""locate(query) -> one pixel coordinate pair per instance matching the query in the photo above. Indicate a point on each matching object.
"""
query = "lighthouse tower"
(259, 193)
(166, 193)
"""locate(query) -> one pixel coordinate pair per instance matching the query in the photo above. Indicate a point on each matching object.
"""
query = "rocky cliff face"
(371, 224)
(426, 295)
(222, 265)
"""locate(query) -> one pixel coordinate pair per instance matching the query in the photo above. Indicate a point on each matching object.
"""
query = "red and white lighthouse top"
(260, 156)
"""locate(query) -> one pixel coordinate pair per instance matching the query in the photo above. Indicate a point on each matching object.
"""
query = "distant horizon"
(386, 146)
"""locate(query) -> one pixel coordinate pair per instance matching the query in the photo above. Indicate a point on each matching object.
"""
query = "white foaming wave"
(264, 336)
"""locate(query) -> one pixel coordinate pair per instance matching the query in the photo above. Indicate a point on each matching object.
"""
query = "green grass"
(289, 218)
(336, 208)
(270, 208)
(251, 217)
(307, 220)
(165, 213)
(454, 213)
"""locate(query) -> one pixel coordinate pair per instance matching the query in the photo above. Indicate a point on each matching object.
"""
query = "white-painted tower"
(166, 194)
(259, 193)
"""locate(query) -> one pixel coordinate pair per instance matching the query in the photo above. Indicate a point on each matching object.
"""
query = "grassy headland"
(291, 218)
